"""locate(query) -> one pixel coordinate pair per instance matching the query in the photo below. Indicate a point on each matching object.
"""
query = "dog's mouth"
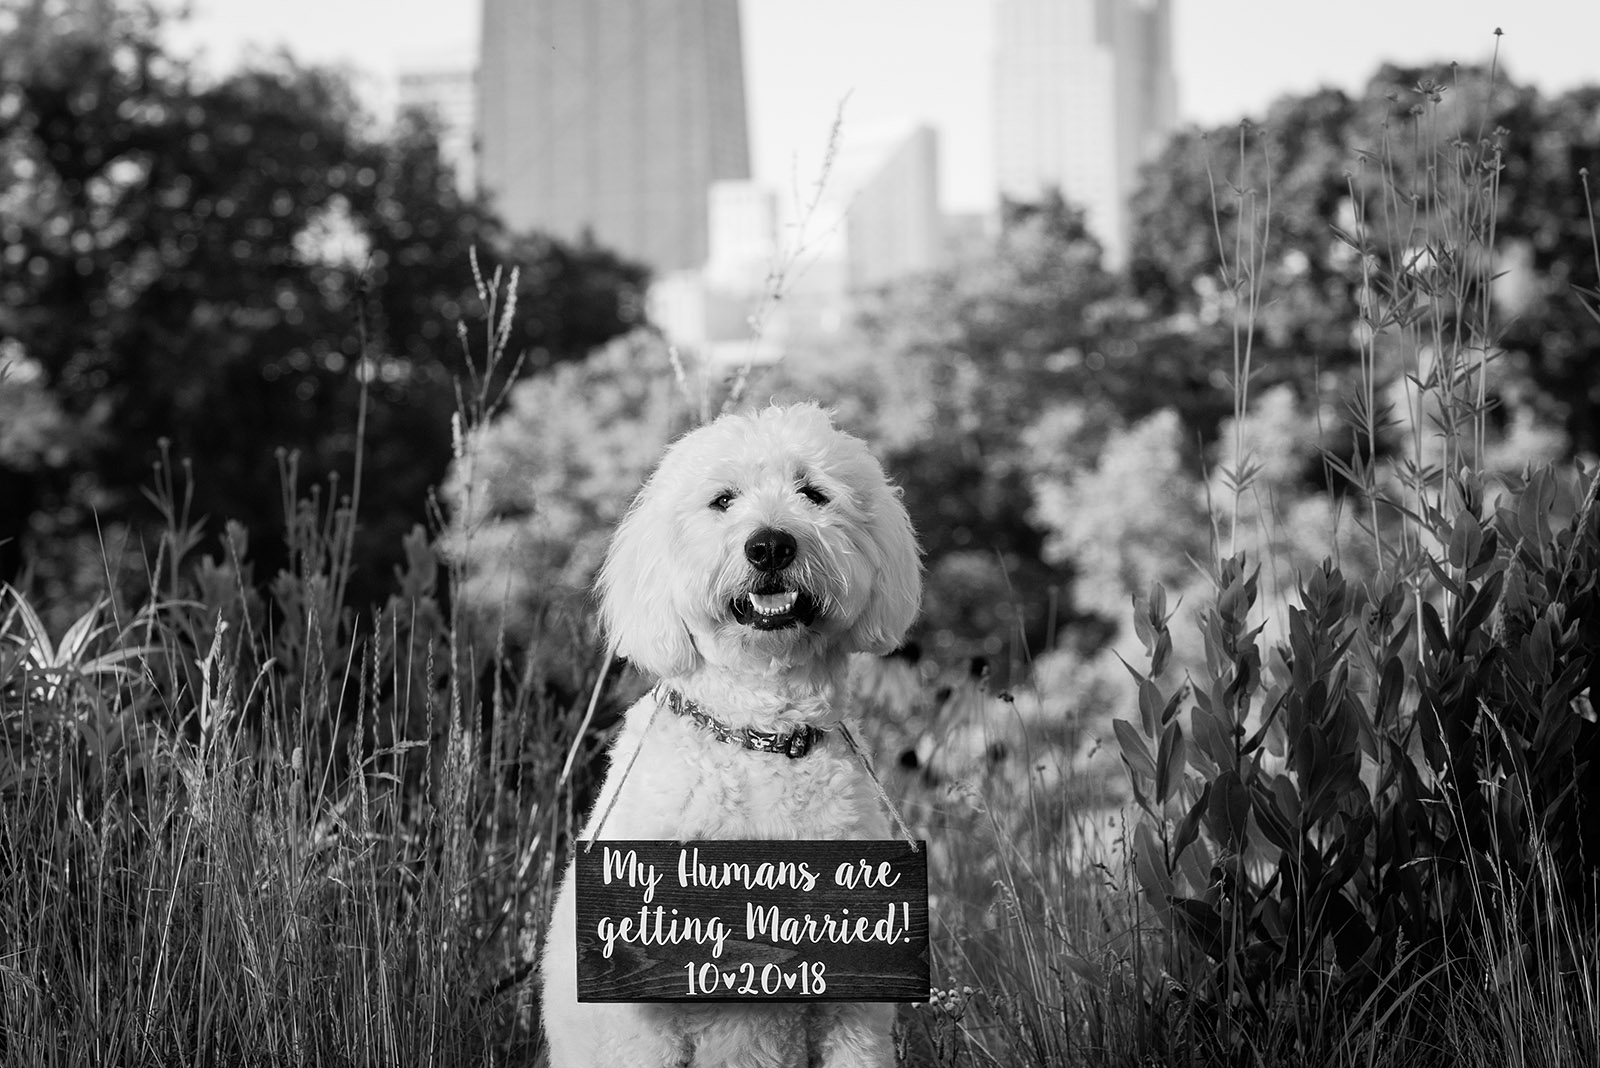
(774, 610)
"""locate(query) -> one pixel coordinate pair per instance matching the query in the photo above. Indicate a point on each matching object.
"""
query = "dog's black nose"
(769, 550)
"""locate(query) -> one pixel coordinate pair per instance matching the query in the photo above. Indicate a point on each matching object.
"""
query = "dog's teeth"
(771, 604)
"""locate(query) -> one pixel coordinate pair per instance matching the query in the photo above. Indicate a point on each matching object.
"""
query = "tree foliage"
(226, 265)
(962, 360)
(1296, 209)
(539, 489)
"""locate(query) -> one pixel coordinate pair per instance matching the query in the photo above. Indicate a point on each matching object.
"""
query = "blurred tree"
(541, 487)
(35, 447)
(1122, 504)
(1553, 146)
(1291, 210)
(964, 359)
(946, 373)
(225, 265)
(1196, 199)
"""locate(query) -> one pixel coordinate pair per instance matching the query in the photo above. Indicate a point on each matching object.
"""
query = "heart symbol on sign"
(788, 981)
(729, 978)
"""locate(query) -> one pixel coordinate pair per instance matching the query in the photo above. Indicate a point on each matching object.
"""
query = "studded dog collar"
(792, 744)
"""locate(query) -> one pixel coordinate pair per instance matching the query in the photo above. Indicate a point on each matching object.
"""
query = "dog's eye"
(720, 502)
(814, 495)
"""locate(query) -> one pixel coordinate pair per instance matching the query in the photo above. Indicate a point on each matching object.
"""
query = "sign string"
(877, 784)
(588, 715)
(655, 706)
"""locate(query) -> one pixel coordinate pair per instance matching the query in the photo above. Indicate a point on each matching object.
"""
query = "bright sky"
(931, 59)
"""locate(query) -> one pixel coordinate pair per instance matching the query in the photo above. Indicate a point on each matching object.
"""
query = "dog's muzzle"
(774, 603)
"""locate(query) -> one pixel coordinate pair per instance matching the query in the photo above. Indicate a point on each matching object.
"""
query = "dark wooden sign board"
(746, 920)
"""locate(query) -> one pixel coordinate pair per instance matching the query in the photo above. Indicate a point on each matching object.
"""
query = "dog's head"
(763, 538)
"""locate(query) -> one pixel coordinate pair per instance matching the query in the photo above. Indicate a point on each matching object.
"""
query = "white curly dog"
(764, 550)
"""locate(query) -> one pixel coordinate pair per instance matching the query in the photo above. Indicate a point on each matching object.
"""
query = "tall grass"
(247, 829)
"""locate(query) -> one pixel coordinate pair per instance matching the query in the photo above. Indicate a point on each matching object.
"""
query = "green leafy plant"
(1366, 830)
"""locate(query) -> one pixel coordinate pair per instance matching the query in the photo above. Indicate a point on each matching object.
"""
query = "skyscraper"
(885, 184)
(1084, 93)
(612, 117)
(446, 88)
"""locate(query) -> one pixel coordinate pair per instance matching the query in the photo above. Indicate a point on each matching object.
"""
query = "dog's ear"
(897, 575)
(636, 608)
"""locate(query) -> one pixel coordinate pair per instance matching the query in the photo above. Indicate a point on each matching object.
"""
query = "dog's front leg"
(599, 1034)
(857, 1036)
(650, 1036)
(617, 1035)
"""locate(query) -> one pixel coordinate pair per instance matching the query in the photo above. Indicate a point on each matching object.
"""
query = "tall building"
(446, 88)
(1084, 93)
(766, 288)
(612, 117)
(743, 230)
(876, 222)
(720, 310)
(886, 183)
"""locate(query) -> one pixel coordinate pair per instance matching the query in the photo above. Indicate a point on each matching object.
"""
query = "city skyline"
(804, 58)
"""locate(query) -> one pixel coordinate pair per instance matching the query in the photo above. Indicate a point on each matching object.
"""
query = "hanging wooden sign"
(752, 920)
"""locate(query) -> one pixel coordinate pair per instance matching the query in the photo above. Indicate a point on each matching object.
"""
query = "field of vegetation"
(1250, 721)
